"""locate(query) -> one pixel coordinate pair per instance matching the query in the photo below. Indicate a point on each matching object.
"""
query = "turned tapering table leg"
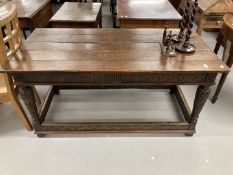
(27, 94)
(199, 102)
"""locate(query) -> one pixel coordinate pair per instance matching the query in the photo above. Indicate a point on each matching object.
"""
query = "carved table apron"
(94, 59)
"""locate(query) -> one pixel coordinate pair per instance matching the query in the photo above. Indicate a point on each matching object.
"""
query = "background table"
(147, 14)
(210, 13)
(78, 15)
(109, 58)
(31, 13)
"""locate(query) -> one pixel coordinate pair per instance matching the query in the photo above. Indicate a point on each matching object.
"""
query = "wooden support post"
(183, 104)
(26, 93)
(199, 102)
(47, 102)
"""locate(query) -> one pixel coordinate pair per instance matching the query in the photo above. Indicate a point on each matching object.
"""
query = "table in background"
(31, 13)
(147, 14)
(110, 58)
(78, 15)
(210, 13)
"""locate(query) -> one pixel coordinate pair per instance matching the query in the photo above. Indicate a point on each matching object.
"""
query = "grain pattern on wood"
(94, 50)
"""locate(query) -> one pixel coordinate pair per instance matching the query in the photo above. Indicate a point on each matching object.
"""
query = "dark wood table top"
(123, 50)
(146, 10)
(77, 12)
(25, 8)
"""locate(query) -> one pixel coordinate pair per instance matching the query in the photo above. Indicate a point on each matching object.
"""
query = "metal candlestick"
(167, 45)
(186, 47)
(180, 38)
(164, 36)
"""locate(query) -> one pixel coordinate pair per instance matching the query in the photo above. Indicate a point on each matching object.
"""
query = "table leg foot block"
(41, 135)
(188, 134)
(214, 99)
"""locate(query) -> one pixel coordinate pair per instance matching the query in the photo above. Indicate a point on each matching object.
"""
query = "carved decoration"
(111, 77)
(199, 101)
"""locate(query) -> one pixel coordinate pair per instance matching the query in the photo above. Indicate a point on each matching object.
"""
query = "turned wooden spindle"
(190, 24)
(184, 21)
(185, 46)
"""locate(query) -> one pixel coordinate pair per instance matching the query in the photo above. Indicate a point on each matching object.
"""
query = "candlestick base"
(168, 52)
(185, 48)
(178, 39)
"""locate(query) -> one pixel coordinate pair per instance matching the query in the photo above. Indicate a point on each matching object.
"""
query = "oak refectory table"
(147, 14)
(78, 15)
(108, 58)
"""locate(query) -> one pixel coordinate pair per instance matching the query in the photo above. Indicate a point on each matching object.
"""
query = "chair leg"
(16, 103)
(24, 34)
(37, 97)
(224, 76)
(220, 85)
(219, 42)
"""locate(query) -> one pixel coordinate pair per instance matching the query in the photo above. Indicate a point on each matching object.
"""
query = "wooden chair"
(225, 36)
(10, 42)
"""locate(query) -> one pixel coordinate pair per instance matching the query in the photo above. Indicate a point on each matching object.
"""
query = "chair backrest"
(10, 39)
(228, 26)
